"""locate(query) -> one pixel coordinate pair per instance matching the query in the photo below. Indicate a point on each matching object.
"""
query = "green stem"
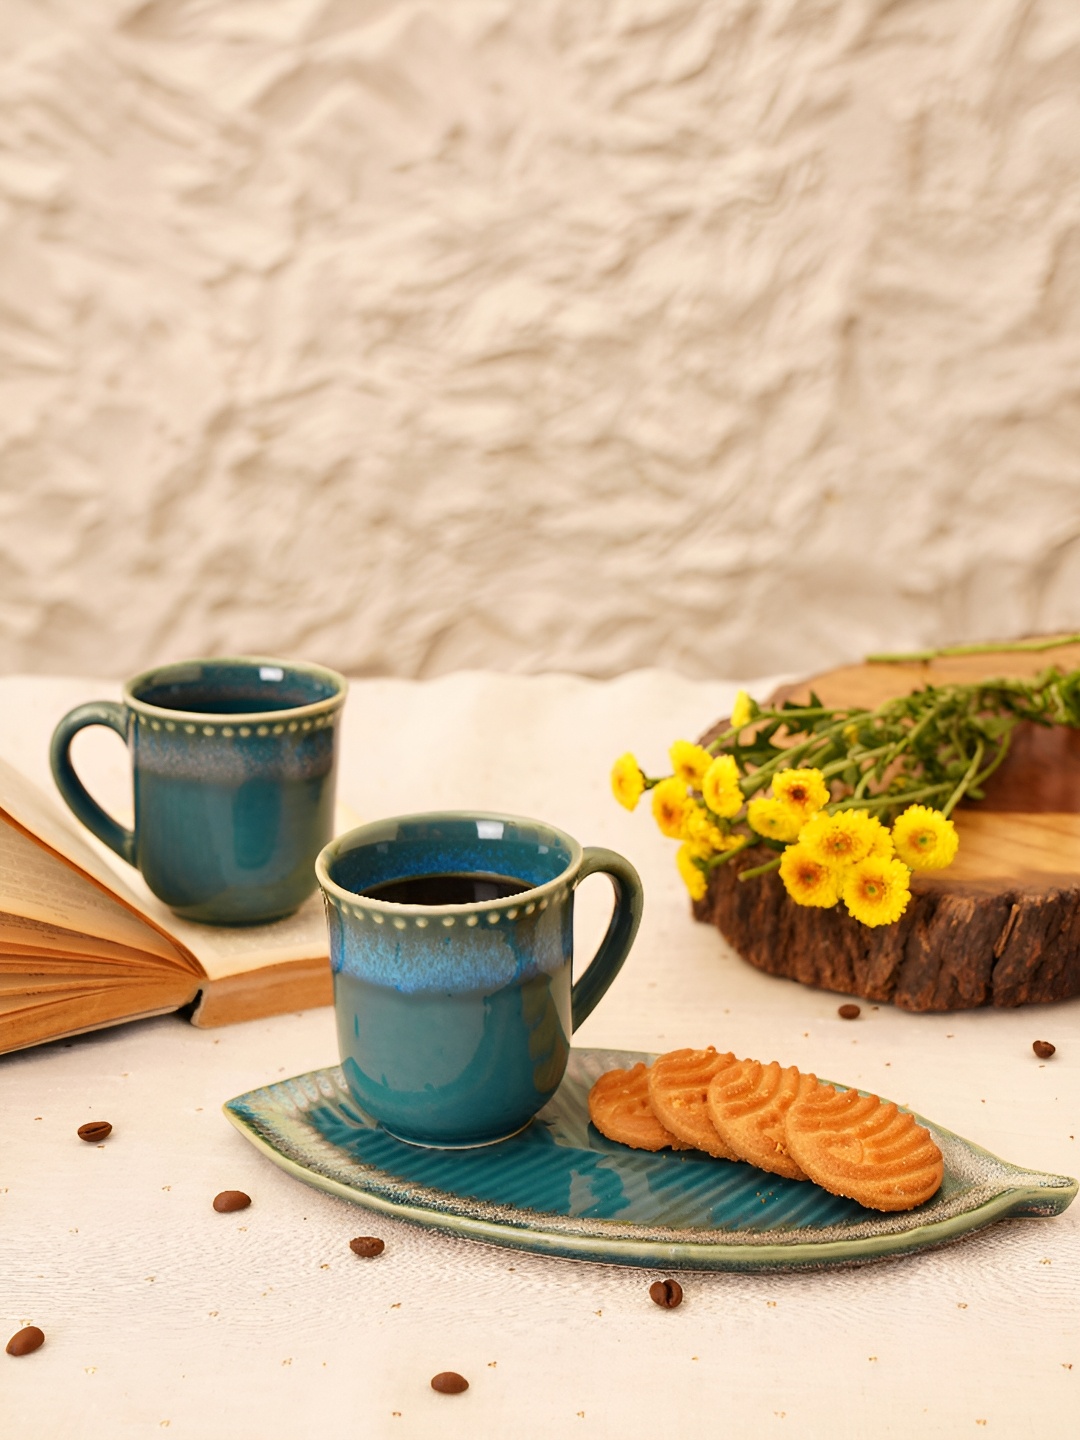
(969, 776)
(764, 717)
(762, 776)
(853, 757)
(1006, 647)
(882, 802)
(760, 869)
(1003, 750)
(717, 860)
(856, 757)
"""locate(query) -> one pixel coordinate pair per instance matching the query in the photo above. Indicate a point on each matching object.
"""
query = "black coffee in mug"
(463, 888)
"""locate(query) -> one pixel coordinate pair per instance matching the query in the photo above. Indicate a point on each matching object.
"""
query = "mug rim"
(333, 890)
(314, 707)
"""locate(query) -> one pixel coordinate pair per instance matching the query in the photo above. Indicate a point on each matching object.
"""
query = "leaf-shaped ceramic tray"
(560, 1188)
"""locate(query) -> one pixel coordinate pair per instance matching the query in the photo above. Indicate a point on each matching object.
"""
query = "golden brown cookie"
(746, 1103)
(864, 1148)
(678, 1086)
(619, 1108)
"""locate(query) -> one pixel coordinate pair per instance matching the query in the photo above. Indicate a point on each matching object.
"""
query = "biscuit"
(619, 1108)
(678, 1086)
(864, 1148)
(746, 1103)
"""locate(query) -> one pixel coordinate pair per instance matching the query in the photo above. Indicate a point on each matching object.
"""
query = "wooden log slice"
(1000, 926)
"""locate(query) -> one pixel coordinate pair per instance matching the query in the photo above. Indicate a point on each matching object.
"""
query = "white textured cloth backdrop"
(729, 336)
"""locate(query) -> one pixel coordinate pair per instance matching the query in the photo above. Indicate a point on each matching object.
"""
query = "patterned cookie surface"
(746, 1103)
(864, 1148)
(678, 1089)
(619, 1108)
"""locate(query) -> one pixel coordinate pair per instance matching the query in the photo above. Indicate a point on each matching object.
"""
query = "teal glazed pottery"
(233, 764)
(454, 1019)
(560, 1188)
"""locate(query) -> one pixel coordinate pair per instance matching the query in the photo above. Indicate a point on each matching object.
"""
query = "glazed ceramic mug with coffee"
(451, 943)
(233, 766)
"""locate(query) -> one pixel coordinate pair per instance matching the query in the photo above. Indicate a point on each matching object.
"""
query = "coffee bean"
(367, 1246)
(666, 1293)
(1043, 1049)
(448, 1382)
(26, 1341)
(849, 1012)
(231, 1200)
(94, 1130)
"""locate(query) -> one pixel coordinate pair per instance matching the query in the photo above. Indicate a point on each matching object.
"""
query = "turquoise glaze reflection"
(561, 1165)
(235, 850)
(233, 763)
(440, 1068)
(454, 1019)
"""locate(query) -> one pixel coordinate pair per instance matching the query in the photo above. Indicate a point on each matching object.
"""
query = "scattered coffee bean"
(368, 1246)
(849, 1012)
(448, 1382)
(666, 1293)
(231, 1200)
(94, 1130)
(1043, 1049)
(26, 1340)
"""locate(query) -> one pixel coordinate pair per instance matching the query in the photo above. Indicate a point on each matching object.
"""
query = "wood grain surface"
(1000, 926)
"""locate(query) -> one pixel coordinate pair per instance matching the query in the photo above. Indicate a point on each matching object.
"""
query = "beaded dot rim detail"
(421, 922)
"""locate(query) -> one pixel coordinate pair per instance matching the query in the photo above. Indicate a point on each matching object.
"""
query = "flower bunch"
(851, 800)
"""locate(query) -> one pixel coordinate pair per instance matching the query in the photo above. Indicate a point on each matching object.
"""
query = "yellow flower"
(720, 787)
(877, 891)
(692, 874)
(771, 818)
(704, 837)
(742, 712)
(807, 879)
(627, 781)
(669, 806)
(842, 839)
(882, 843)
(690, 763)
(924, 838)
(802, 792)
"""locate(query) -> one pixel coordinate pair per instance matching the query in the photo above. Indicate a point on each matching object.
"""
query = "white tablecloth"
(163, 1317)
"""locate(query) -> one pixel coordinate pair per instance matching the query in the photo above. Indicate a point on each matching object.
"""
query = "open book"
(83, 943)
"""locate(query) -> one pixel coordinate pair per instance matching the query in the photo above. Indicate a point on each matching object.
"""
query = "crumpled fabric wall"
(734, 337)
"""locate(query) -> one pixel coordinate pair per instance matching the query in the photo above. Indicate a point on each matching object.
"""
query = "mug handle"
(85, 807)
(615, 946)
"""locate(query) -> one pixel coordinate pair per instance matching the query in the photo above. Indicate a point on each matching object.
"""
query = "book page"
(239, 949)
(78, 968)
(32, 986)
(234, 950)
(35, 885)
(14, 1005)
(19, 933)
(28, 1021)
(40, 892)
(43, 817)
(103, 764)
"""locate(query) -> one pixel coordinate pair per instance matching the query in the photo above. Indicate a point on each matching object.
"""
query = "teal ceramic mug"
(233, 766)
(451, 944)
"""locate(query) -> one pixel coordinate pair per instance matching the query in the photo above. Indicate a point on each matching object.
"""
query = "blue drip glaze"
(560, 1188)
(229, 815)
(563, 1170)
(454, 1021)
